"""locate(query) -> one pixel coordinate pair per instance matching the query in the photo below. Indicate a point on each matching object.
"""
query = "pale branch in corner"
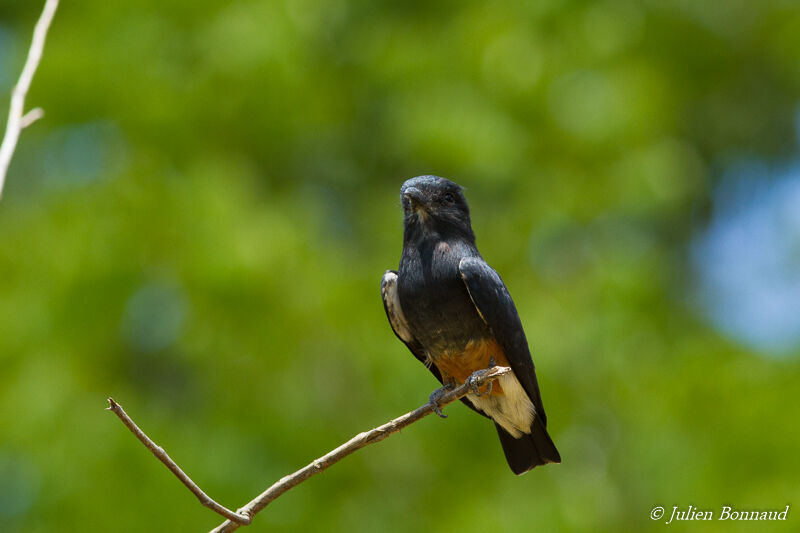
(244, 515)
(17, 121)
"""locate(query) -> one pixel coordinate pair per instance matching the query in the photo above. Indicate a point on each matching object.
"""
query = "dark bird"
(452, 310)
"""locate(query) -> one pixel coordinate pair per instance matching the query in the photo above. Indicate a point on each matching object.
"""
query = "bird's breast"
(436, 302)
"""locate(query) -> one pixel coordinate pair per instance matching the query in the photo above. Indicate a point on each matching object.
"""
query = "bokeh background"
(199, 225)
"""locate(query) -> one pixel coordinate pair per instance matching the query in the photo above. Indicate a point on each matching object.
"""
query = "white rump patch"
(513, 410)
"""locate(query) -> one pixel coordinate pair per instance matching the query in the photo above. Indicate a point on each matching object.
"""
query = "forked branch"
(244, 515)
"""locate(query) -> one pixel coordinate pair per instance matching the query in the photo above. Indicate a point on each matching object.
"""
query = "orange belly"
(459, 365)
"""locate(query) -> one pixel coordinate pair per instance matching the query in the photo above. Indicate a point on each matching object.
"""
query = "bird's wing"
(496, 308)
(394, 312)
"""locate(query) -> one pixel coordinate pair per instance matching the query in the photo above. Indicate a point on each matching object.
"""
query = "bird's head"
(435, 206)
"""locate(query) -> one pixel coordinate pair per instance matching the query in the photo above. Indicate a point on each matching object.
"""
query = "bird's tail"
(528, 451)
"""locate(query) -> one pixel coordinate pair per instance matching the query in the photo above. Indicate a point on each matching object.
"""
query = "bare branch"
(372, 436)
(162, 456)
(16, 122)
(246, 513)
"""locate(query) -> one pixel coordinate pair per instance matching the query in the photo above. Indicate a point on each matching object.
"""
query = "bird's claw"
(473, 380)
(436, 397)
(491, 365)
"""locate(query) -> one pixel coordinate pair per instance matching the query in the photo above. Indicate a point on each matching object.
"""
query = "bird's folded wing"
(496, 308)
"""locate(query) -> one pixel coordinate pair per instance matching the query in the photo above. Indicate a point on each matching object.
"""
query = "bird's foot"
(491, 365)
(476, 376)
(436, 397)
(474, 382)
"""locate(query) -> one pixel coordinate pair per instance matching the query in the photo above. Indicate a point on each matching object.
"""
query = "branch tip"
(30, 117)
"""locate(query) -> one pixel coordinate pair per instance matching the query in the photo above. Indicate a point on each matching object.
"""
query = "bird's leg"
(489, 386)
(436, 395)
(475, 377)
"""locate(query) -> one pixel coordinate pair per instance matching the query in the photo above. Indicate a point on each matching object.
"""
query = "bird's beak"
(414, 198)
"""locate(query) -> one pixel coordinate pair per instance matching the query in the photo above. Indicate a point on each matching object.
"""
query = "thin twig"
(246, 513)
(162, 456)
(15, 115)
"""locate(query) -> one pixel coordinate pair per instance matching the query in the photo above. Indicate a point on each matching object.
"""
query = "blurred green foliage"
(199, 225)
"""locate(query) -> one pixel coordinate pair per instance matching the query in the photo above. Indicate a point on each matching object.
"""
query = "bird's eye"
(449, 198)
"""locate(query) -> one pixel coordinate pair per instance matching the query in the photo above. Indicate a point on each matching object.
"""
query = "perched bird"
(452, 310)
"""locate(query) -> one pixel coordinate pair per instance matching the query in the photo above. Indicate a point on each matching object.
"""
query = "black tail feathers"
(528, 451)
